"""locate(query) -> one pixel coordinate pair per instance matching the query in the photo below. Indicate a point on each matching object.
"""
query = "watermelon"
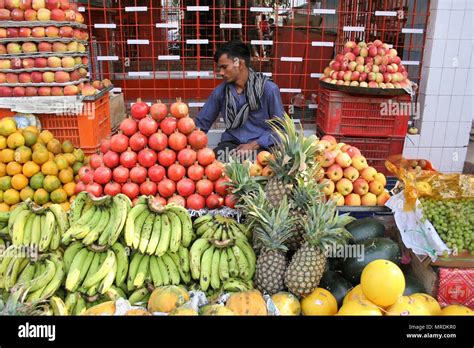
(366, 228)
(336, 285)
(373, 249)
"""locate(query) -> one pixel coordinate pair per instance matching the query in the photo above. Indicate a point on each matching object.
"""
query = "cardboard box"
(117, 110)
(456, 286)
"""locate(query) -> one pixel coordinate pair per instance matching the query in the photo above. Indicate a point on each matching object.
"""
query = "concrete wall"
(446, 88)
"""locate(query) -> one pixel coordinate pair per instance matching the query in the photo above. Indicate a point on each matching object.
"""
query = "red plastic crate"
(375, 150)
(349, 115)
(85, 130)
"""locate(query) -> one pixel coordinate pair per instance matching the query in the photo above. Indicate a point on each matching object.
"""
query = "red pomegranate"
(104, 145)
(148, 188)
(95, 161)
(121, 174)
(195, 202)
(168, 125)
(214, 171)
(158, 111)
(204, 187)
(138, 174)
(147, 126)
(131, 190)
(158, 141)
(221, 187)
(176, 172)
(128, 159)
(111, 159)
(94, 189)
(138, 142)
(119, 143)
(166, 157)
(214, 201)
(86, 174)
(102, 175)
(139, 109)
(177, 141)
(112, 188)
(197, 139)
(80, 186)
(186, 125)
(206, 156)
(195, 172)
(129, 127)
(166, 188)
(179, 109)
(147, 157)
(156, 173)
(187, 157)
(185, 187)
(177, 199)
(157, 200)
(230, 201)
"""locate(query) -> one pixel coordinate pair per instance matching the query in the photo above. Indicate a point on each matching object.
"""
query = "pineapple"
(242, 183)
(294, 154)
(16, 305)
(271, 227)
(323, 228)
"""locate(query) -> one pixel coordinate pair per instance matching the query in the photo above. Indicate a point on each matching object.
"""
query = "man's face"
(227, 69)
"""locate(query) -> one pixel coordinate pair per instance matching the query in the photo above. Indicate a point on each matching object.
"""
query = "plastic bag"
(421, 180)
(26, 120)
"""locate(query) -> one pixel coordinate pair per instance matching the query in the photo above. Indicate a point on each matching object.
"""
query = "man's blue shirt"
(256, 127)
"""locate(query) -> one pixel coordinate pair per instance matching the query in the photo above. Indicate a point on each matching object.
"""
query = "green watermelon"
(336, 285)
(366, 228)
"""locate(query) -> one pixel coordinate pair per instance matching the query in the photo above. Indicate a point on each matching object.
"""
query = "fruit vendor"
(246, 100)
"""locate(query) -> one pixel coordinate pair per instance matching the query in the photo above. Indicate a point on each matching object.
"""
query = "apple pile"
(67, 69)
(162, 154)
(372, 65)
(348, 178)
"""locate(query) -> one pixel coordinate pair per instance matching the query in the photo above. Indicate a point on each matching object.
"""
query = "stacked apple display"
(348, 178)
(372, 65)
(42, 49)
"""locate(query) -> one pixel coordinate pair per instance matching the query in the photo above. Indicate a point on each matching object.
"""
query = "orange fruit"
(40, 155)
(3, 169)
(49, 168)
(14, 168)
(66, 175)
(26, 193)
(30, 168)
(15, 140)
(11, 197)
(7, 155)
(19, 182)
(4, 207)
(70, 187)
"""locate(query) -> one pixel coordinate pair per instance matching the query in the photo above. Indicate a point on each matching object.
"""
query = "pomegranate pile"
(162, 154)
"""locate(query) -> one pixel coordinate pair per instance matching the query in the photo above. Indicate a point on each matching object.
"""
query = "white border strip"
(261, 42)
(197, 41)
(291, 59)
(196, 105)
(386, 13)
(322, 43)
(198, 73)
(169, 57)
(290, 90)
(138, 42)
(316, 75)
(167, 25)
(349, 28)
(261, 9)
(136, 9)
(108, 58)
(81, 9)
(139, 73)
(410, 62)
(230, 26)
(105, 26)
(116, 90)
(197, 8)
(412, 31)
(324, 11)
(269, 74)
(312, 106)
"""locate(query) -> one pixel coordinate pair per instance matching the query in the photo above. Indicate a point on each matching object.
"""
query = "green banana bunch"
(75, 303)
(220, 229)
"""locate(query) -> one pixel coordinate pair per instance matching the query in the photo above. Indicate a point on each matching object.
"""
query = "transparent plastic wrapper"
(26, 120)
(421, 180)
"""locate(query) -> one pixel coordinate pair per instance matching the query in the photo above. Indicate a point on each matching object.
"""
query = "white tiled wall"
(446, 87)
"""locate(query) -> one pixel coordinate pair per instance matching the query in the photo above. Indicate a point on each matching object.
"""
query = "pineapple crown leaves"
(293, 152)
(272, 226)
(16, 303)
(306, 190)
(324, 226)
(241, 182)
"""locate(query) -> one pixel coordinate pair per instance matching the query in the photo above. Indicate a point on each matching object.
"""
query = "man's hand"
(245, 148)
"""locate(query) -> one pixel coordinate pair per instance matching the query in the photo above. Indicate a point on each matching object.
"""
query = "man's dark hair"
(234, 49)
(272, 20)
